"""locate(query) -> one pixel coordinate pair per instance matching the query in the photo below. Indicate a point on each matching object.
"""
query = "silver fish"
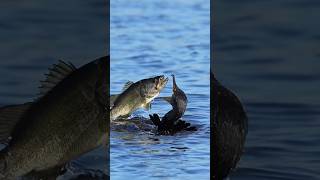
(137, 95)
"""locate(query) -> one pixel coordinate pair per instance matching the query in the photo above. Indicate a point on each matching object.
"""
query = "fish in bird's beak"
(137, 95)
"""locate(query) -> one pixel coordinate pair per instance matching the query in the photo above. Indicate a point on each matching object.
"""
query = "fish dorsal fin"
(9, 117)
(56, 74)
(127, 85)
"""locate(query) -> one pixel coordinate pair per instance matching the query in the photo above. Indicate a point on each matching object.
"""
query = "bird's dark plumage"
(169, 128)
(170, 122)
(229, 129)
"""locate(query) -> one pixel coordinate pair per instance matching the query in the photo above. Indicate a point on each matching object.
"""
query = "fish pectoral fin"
(56, 74)
(127, 85)
(168, 99)
(9, 117)
(147, 106)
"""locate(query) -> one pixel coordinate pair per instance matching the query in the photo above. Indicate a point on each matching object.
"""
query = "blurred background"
(150, 38)
(36, 34)
(268, 53)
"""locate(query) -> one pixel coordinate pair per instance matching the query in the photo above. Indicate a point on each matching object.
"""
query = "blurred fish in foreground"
(66, 121)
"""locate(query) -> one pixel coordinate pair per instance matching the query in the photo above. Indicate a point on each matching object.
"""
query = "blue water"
(267, 52)
(150, 38)
(34, 35)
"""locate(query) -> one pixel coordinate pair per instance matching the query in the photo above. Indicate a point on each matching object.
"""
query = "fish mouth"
(163, 80)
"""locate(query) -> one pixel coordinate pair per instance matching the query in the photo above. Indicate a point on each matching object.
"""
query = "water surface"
(162, 37)
(268, 53)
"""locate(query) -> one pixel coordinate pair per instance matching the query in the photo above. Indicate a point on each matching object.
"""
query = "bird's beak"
(174, 83)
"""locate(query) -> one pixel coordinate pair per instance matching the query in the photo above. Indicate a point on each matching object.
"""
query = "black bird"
(171, 122)
(229, 127)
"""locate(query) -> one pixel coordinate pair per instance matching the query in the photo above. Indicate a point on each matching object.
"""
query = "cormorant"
(170, 122)
(229, 127)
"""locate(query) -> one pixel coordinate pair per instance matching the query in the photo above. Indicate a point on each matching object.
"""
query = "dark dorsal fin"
(56, 74)
(9, 117)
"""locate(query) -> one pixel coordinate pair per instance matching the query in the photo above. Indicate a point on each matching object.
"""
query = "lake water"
(150, 38)
(268, 53)
(34, 35)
